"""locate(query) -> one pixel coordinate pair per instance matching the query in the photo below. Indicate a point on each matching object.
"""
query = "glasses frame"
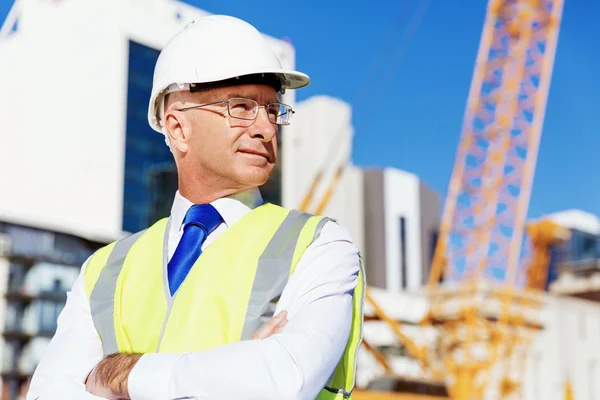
(258, 106)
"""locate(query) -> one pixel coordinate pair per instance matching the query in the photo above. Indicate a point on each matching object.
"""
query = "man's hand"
(109, 378)
(275, 325)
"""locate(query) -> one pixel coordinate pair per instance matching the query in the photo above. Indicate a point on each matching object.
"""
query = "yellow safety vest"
(230, 292)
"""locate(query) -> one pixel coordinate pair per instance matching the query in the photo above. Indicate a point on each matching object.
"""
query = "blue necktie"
(199, 222)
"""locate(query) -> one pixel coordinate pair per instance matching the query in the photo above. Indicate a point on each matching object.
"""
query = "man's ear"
(176, 128)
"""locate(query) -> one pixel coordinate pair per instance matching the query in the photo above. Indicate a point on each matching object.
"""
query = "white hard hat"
(212, 49)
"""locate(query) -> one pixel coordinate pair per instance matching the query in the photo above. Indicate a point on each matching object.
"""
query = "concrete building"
(558, 346)
(84, 137)
(319, 147)
(38, 267)
(402, 216)
(576, 262)
(80, 162)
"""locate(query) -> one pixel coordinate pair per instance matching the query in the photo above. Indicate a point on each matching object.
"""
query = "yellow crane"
(477, 312)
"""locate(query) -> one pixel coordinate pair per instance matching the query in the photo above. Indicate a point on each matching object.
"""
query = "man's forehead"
(251, 91)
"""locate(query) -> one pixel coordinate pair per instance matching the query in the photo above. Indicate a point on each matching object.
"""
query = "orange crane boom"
(483, 220)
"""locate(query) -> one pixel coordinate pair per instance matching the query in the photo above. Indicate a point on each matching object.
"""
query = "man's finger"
(275, 325)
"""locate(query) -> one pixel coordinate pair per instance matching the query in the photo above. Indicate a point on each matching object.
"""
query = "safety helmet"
(214, 49)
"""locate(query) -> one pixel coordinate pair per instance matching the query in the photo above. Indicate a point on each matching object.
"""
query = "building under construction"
(467, 299)
(485, 325)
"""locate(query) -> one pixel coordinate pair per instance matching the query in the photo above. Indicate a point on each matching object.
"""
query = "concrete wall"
(347, 204)
(430, 221)
(567, 348)
(392, 196)
(401, 200)
(374, 223)
(321, 143)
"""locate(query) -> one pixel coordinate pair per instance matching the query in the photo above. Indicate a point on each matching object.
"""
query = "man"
(167, 313)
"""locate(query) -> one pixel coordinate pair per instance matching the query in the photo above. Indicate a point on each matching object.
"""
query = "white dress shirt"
(293, 364)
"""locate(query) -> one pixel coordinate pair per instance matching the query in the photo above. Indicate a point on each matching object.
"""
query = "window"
(72, 249)
(12, 318)
(150, 174)
(48, 317)
(16, 277)
(403, 271)
(582, 246)
(62, 248)
(30, 242)
(553, 266)
(434, 240)
(50, 309)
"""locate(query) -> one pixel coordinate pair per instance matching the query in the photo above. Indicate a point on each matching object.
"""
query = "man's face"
(212, 145)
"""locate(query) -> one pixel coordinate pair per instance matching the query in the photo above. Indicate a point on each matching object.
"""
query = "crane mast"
(483, 220)
(481, 317)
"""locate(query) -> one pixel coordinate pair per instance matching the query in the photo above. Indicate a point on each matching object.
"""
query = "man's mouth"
(254, 152)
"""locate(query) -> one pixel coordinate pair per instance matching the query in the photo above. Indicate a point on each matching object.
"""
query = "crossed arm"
(293, 363)
(109, 378)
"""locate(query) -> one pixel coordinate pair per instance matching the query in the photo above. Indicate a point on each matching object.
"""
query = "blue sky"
(408, 95)
(410, 114)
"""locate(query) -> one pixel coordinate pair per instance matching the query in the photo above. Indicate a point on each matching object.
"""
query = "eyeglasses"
(247, 110)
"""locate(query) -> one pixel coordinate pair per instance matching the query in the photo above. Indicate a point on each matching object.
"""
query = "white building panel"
(320, 141)
(402, 201)
(63, 135)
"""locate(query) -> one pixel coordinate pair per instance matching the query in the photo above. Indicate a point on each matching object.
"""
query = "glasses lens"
(243, 108)
(279, 113)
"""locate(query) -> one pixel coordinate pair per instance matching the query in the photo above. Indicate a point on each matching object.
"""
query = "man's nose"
(263, 126)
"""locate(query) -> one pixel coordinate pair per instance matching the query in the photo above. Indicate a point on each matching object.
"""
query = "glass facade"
(582, 246)
(150, 174)
(27, 244)
(579, 253)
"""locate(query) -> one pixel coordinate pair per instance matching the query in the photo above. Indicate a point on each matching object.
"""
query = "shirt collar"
(232, 208)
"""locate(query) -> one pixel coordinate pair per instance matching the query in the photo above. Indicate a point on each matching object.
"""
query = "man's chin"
(255, 176)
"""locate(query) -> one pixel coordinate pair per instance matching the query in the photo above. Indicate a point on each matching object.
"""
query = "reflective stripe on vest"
(270, 278)
(341, 383)
(102, 298)
(236, 291)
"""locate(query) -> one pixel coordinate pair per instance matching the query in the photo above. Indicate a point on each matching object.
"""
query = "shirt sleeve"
(73, 352)
(293, 364)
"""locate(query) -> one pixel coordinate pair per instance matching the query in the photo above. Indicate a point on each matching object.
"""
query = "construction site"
(467, 297)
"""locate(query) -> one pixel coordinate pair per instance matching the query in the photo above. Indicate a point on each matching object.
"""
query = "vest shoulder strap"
(106, 267)
(109, 254)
